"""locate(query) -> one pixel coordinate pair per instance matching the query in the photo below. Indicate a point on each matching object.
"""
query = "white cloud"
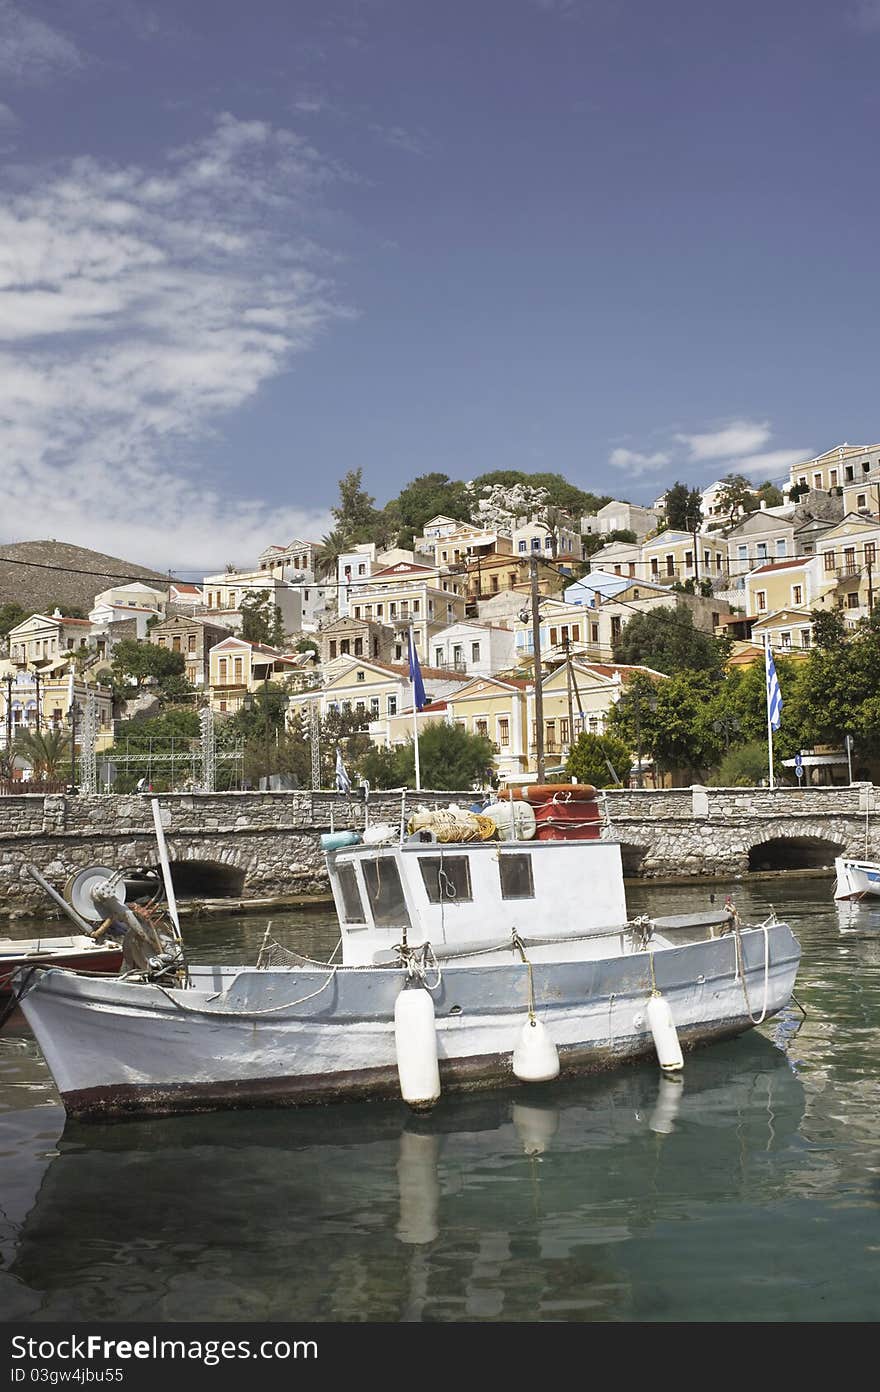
(137, 308)
(737, 438)
(770, 464)
(866, 16)
(637, 463)
(32, 51)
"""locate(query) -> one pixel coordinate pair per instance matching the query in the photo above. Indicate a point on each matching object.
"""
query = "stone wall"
(269, 843)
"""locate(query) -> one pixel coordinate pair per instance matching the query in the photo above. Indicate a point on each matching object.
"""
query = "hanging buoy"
(662, 1027)
(535, 1056)
(415, 1039)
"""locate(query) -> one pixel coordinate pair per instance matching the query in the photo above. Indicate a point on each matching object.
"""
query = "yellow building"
(781, 585)
(846, 562)
(837, 467)
(377, 691)
(502, 709)
(425, 596)
(47, 640)
(237, 667)
(679, 556)
(41, 700)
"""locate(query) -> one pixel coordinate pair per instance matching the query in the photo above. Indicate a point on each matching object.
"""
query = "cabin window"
(447, 879)
(385, 892)
(353, 909)
(516, 877)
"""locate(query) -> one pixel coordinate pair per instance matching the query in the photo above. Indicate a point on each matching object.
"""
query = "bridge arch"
(633, 856)
(201, 871)
(794, 849)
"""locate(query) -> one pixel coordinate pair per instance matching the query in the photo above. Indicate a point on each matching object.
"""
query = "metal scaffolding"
(88, 736)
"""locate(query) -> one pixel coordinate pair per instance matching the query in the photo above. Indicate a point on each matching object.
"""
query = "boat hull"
(856, 879)
(243, 1037)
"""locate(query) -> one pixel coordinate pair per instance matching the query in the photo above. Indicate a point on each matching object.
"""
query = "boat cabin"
(469, 897)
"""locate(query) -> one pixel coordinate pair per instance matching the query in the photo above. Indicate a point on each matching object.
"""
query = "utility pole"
(268, 730)
(536, 650)
(868, 562)
(567, 645)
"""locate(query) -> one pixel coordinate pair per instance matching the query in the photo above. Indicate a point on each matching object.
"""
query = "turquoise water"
(750, 1192)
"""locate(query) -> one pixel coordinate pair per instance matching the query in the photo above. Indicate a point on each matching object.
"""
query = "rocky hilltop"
(40, 574)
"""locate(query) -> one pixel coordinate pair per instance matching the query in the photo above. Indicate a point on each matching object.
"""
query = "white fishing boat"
(856, 879)
(463, 965)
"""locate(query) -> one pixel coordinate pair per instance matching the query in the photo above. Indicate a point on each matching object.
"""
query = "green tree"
(747, 766)
(132, 659)
(590, 756)
(683, 508)
(356, 517)
(333, 545)
(838, 694)
(675, 726)
(176, 729)
(736, 496)
(449, 758)
(829, 629)
(769, 494)
(427, 496)
(261, 620)
(11, 615)
(666, 640)
(47, 751)
(594, 541)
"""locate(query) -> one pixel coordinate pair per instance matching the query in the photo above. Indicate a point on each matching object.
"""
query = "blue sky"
(245, 248)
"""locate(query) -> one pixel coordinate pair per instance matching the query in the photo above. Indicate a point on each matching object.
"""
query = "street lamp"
(650, 703)
(727, 725)
(73, 715)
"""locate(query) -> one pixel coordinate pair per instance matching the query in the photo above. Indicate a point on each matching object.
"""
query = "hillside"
(58, 573)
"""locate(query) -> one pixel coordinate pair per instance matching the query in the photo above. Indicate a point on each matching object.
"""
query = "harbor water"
(750, 1190)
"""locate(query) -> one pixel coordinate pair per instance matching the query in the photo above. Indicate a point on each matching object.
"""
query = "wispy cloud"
(139, 307)
(768, 465)
(413, 142)
(736, 438)
(636, 463)
(865, 15)
(31, 51)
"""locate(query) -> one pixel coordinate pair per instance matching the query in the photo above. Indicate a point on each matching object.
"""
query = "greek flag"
(774, 695)
(415, 675)
(343, 782)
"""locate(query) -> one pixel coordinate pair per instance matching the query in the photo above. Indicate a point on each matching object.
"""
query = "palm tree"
(45, 750)
(327, 559)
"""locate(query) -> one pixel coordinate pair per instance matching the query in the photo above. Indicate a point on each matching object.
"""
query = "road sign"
(799, 766)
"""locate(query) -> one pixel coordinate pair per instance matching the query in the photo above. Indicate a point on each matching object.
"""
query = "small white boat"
(856, 879)
(463, 965)
(77, 950)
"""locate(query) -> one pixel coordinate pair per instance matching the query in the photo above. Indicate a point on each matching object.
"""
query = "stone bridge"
(255, 845)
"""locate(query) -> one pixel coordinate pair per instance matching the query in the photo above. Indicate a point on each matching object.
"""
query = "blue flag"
(415, 675)
(774, 695)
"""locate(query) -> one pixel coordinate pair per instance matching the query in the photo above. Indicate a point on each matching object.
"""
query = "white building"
(479, 649)
(224, 595)
(136, 601)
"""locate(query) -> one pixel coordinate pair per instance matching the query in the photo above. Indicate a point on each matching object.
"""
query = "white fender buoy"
(419, 1189)
(415, 1039)
(535, 1056)
(535, 1127)
(665, 1111)
(662, 1027)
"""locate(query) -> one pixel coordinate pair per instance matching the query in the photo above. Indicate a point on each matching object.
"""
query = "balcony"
(850, 571)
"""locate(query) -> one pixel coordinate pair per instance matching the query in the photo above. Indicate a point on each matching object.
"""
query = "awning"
(816, 760)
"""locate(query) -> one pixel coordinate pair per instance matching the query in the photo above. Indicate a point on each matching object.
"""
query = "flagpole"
(412, 649)
(767, 695)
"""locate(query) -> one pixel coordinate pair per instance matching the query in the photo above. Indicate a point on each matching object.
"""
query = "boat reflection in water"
(513, 1204)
